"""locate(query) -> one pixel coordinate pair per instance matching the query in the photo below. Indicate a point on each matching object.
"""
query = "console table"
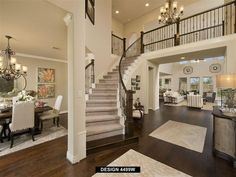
(224, 135)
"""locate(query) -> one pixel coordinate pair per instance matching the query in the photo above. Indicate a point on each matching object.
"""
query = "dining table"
(7, 115)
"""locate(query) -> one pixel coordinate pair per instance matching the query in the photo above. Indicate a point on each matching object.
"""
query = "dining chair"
(53, 114)
(22, 119)
(1, 131)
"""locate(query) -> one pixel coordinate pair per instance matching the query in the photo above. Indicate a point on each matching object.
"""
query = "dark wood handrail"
(122, 57)
(91, 63)
(117, 37)
(200, 13)
(155, 29)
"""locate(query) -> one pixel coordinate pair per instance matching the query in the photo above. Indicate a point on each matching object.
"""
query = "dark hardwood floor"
(49, 159)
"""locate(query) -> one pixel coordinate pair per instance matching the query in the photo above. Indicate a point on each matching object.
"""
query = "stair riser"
(104, 135)
(127, 62)
(108, 81)
(102, 122)
(111, 77)
(105, 91)
(101, 104)
(113, 73)
(107, 86)
(102, 97)
(96, 113)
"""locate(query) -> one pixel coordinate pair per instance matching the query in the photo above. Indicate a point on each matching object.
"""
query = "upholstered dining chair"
(53, 114)
(1, 131)
(22, 119)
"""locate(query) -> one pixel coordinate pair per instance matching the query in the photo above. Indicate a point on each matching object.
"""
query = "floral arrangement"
(24, 97)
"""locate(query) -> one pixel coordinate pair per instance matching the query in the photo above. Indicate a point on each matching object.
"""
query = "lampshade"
(226, 81)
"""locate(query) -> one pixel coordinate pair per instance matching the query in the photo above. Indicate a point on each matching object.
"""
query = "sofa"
(194, 101)
(173, 97)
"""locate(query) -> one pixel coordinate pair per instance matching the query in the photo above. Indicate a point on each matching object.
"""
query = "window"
(183, 84)
(195, 84)
(207, 84)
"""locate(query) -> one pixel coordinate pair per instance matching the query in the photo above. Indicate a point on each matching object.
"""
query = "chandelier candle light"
(9, 68)
(170, 13)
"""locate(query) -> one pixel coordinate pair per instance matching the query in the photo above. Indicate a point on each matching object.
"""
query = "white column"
(156, 87)
(230, 56)
(76, 85)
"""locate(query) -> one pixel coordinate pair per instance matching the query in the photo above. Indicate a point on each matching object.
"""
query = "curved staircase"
(102, 118)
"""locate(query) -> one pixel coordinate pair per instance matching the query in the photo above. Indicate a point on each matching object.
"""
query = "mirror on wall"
(12, 87)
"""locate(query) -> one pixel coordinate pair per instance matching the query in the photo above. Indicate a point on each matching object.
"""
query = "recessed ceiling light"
(147, 4)
(182, 58)
(117, 11)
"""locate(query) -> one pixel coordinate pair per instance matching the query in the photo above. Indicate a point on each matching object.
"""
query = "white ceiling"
(132, 9)
(36, 25)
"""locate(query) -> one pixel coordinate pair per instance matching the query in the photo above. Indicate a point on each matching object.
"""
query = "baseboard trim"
(72, 159)
(80, 146)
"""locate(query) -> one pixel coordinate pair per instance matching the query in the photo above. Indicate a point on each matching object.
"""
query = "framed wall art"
(46, 91)
(46, 75)
(46, 83)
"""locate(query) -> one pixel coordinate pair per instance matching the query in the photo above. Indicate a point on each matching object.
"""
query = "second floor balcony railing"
(205, 25)
(118, 45)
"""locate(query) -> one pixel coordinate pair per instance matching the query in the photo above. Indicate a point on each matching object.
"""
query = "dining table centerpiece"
(24, 97)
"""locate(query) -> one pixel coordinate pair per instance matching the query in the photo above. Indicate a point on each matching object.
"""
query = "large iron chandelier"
(9, 69)
(170, 13)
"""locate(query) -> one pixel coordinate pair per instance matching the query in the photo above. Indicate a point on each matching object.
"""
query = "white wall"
(60, 76)
(98, 36)
(200, 69)
(166, 68)
(117, 28)
(150, 20)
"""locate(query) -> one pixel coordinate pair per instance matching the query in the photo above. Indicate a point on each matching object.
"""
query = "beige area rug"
(207, 106)
(185, 135)
(25, 141)
(149, 167)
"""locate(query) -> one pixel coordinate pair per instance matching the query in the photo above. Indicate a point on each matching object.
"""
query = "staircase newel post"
(177, 36)
(142, 45)
(129, 113)
(124, 47)
(93, 74)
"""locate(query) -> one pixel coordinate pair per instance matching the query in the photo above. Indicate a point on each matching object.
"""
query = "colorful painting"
(46, 91)
(46, 75)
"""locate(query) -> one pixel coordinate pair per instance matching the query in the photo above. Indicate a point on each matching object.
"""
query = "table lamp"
(226, 81)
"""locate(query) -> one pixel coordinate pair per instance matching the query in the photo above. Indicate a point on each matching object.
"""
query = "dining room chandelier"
(9, 69)
(170, 14)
